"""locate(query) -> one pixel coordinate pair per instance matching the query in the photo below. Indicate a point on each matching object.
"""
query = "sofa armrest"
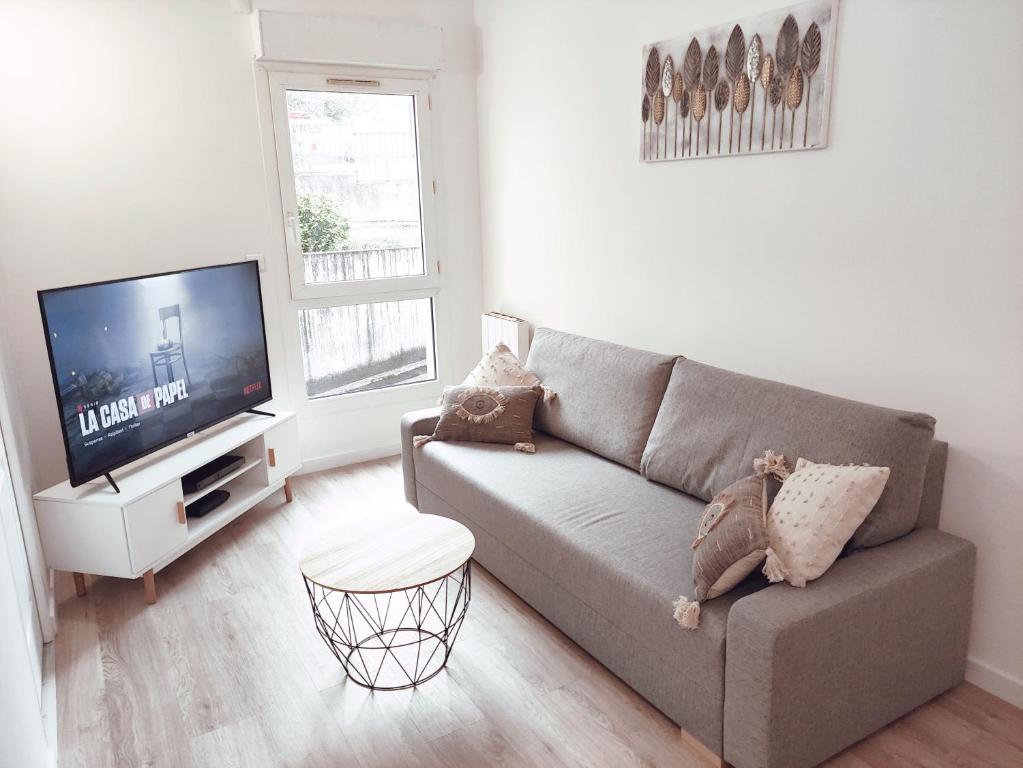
(414, 423)
(810, 671)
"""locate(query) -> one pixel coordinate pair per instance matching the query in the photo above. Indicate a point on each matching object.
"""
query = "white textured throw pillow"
(817, 510)
(500, 368)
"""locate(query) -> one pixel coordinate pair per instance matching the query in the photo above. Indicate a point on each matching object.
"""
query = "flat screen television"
(143, 362)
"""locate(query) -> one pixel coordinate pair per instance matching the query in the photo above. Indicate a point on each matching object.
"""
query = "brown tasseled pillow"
(487, 415)
(732, 540)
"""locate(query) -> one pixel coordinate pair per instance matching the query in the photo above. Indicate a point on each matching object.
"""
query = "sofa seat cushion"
(608, 395)
(712, 424)
(615, 541)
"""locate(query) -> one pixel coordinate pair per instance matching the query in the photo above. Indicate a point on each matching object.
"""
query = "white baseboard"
(343, 459)
(994, 680)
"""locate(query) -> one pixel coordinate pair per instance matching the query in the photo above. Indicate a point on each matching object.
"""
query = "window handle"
(292, 222)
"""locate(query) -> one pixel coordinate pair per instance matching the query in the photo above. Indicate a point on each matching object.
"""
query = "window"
(352, 158)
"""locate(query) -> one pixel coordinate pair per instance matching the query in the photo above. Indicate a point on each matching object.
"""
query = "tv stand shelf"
(135, 533)
(251, 463)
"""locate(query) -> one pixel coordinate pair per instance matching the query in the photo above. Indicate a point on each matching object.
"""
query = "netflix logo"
(249, 389)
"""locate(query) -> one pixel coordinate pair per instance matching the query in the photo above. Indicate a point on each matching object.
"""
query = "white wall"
(130, 144)
(884, 268)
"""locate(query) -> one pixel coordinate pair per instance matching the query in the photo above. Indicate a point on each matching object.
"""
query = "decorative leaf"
(754, 59)
(721, 94)
(699, 102)
(794, 90)
(735, 53)
(646, 108)
(653, 71)
(687, 97)
(767, 72)
(787, 50)
(710, 69)
(659, 107)
(810, 54)
(691, 65)
(677, 88)
(667, 74)
(741, 96)
(775, 91)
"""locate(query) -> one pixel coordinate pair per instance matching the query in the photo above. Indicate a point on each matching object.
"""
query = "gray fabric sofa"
(594, 531)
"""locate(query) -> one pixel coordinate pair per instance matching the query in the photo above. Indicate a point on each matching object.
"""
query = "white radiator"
(513, 332)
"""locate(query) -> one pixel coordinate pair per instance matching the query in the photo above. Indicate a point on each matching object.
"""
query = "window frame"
(273, 79)
(419, 89)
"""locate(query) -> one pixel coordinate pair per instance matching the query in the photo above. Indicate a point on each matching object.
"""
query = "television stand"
(258, 412)
(111, 481)
(135, 530)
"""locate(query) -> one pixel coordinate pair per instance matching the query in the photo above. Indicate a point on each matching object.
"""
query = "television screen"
(142, 362)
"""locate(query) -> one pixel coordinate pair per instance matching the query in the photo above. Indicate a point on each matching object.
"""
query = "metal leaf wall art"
(677, 89)
(794, 97)
(766, 76)
(709, 80)
(691, 77)
(646, 119)
(658, 119)
(653, 76)
(699, 110)
(787, 54)
(754, 63)
(687, 97)
(774, 93)
(722, 100)
(740, 100)
(667, 77)
(809, 60)
(735, 60)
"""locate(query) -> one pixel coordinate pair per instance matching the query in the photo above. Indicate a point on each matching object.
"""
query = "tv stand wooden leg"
(149, 582)
(79, 584)
(288, 495)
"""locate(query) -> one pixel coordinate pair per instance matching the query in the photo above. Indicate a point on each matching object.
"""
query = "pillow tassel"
(525, 447)
(548, 393)
(687, 612)
(421, 440)
(773, 568)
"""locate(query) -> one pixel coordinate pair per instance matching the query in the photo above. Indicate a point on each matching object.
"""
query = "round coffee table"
(389, 593)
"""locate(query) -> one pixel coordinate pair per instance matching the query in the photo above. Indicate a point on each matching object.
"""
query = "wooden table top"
(387, 552)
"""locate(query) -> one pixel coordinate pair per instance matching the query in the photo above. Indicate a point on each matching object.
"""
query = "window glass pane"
(359, 347)
(357, 185)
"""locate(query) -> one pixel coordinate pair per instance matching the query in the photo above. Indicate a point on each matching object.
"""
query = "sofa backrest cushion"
(712, 424)
(608, 395)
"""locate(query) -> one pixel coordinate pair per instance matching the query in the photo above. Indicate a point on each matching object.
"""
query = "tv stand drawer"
(281, 455)
(154, 527)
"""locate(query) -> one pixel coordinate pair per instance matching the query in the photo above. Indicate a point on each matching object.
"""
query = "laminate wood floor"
(226, 669)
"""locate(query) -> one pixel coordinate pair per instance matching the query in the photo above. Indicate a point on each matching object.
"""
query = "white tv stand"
(134, 533)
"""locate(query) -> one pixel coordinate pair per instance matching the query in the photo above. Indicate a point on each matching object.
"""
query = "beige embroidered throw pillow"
(487, 415)
(500, 368)
(732, 538)
(817, 511)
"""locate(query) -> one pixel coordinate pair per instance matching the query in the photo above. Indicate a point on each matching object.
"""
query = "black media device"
(208, 474)
(140, 363)
(207, 503)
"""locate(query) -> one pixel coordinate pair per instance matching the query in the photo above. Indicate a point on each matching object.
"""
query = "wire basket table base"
(389, 641)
